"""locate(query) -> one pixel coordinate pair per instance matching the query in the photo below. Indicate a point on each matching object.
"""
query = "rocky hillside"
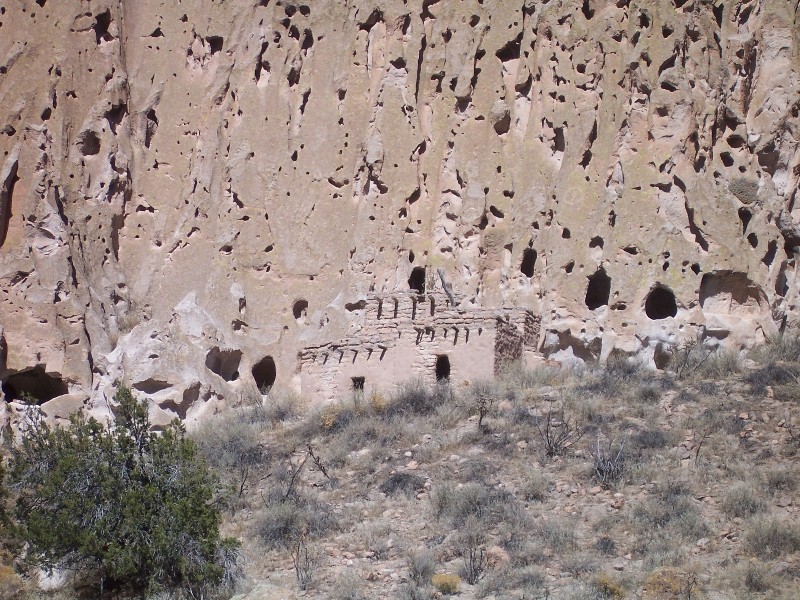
(187, 188)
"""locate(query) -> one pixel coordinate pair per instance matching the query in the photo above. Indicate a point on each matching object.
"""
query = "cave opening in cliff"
(528, 262)
(33, 386)
(264, 374)
(299, 309)
(660, 304)
(416, 281)
(599, 290)
(442, 368)
(224, 363)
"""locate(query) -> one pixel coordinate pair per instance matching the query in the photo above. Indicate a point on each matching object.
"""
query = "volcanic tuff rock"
(187, 188)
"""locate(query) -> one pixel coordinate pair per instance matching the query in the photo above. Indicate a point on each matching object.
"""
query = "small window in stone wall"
(442, 368)
(358, 383)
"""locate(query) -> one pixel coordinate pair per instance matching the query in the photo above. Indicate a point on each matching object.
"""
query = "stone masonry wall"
(400, 337)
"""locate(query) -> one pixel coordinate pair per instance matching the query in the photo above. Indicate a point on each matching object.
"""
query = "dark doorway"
(442, 368)
(660, 304)
(598, 290)
(264, 373)
(358, 383)
(528, 262)
(416, 281)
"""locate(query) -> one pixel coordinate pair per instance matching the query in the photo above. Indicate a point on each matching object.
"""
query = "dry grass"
(416, 487)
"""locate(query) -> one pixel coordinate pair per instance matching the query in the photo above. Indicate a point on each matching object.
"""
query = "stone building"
(410, 335)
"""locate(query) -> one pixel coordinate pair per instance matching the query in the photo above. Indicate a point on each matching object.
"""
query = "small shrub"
(402, 483)
(529, 580)
(688, 358)
(787, 392)
(579, 565)
(556, 536)
(284, 519)
(377, 402)
(472, 552)
(470, 500)
(607, 588)
(421, 565)
(772, 538)
(411, 591)
(558, 432)
(662, 523)
(781, 348)
(535, 488)
(649, 393)
(349, 586)
(606, 546)
(672, 583)
(721, 364)
(615, 379)
(772, 374)
(742, 501)
(757, 578)
(416, 397)
(279, 407)
(447, 584)
(609, 464)
(230, 445)
(650, 439)
(335, 417)
(375, 538)
(522, 415)
(306, 563)
(781, 479)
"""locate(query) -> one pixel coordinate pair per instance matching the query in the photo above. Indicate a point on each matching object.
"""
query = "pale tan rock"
(61, 407)
(204, 200)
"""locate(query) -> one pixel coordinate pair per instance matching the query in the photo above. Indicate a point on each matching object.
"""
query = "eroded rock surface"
(185, 186)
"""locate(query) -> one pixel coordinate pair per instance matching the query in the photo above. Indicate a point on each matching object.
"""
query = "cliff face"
(187, 188)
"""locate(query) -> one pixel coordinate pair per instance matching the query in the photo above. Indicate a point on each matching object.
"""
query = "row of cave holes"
(225, 363)
(660, 302)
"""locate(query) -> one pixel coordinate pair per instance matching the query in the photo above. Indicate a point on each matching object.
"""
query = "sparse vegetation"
(769, 538)
(589, 483)
(421, 566)
(558, 432)
(609, 462)
(742, 500)
(447, 584)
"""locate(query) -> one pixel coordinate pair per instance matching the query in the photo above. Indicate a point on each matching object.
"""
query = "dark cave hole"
(224, 363)
(598, 290)
(33, 385)
(660, 304)
(264, 373)
(528, 262)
